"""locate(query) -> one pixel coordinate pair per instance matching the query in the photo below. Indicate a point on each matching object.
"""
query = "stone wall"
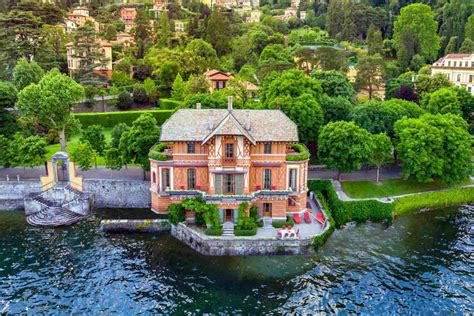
(155, 226)
(12, 193)
(119, 193)
(108, 193)
(240, 246)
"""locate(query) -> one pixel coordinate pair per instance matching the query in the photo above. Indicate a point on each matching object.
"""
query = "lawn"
(73, 141)
(369, 189)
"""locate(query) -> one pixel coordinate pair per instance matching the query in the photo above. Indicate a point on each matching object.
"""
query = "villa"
(458, 68)
(229, 157)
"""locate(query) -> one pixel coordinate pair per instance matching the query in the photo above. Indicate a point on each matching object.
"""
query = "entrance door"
(229, 214)
(267, 209)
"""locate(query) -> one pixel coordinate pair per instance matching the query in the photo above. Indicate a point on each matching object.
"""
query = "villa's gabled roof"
(230, 126)
(201, 125)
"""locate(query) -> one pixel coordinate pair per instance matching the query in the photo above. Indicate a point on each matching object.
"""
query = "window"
(471, 78)
(191, 179)
(449, 63)
(165, 178)
(459, 77)
(472, 63)
(267, 179)
(191, 148)
(292, 179)
(229, 151)
(454, 64)
(153, 177)
(229, 184)
(267, 148)
(291, 202)
(267, 209)
(469, 89)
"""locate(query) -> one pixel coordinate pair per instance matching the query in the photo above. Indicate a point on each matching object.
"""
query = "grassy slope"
(369, 189)
(73, 141)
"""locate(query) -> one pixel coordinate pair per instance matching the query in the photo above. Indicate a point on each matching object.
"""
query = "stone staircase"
(267, 222)
(54, 216)
(228, 229)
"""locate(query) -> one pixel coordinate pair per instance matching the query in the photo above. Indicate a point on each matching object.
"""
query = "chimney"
(229, 103)
(198, 106)
(247, 120)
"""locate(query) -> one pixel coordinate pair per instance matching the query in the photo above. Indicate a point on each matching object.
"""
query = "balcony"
(297, 152)
(161, 152)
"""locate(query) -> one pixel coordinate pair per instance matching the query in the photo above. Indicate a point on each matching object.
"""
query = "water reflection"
(421, 263)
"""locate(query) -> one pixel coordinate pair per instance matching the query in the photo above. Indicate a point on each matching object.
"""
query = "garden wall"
(240, 246)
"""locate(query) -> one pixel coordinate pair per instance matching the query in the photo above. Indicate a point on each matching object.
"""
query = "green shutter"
(239, 179)
(221, 216)
(236, 216)
(218, 184)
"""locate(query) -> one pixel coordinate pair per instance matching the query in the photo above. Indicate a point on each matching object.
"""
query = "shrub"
(434, 200)
(289, 222)
(214, 231)
(302, 153)
(139, 94)
(176, 213)
(169, 104)
(245, 232)
(110, 119)
(125, 100)
(320, 240)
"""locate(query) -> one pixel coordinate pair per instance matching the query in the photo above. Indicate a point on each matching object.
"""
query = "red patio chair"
(297, 218)
(307, 219)
(279, 234)
(321, 218)
(182, 187)
(292, 235)
(283, 227)
(290, 227)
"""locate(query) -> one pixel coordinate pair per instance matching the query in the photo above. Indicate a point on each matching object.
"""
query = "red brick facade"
(230, 169)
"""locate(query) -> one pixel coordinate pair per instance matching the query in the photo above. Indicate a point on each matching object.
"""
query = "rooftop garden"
(159, 152)
(298, 152)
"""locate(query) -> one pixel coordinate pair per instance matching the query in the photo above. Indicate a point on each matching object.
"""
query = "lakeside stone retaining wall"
(119, 193)
(155, 226)
(108, 193)
(240, 246)
(13, 192)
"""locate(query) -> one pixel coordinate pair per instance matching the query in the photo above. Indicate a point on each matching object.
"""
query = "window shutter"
(239, 184)
(236, 216)
(221, 215)
(218, 184)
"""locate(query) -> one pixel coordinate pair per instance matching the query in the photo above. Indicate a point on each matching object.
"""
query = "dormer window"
(267, 148)
(229, 152)
(191, 148)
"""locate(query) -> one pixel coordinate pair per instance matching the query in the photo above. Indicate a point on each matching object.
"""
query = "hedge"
(347, 211)
(433, 200)
(157, 152)
(302, 154)
(245, 232)
(169, 104)
(110, 119)
(214, 231)
(289, 222)
(320, 240)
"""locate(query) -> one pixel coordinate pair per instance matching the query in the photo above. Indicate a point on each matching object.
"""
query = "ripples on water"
(423, 263)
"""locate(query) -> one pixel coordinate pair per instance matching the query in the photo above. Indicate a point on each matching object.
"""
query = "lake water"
(422, 263)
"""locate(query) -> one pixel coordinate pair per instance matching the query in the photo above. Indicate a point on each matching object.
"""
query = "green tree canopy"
(425, 84)
(117, 132)
(179, 89)
(305, 111)
(291, 83)
(434, 147)
(50, 101)
(444, 100)
(336, 109)
(374, 40)
(26, 73)
(135, 143)
(8, 94)
(94, 134)
(415, 33)
(344, 146)
(334, 83)
(370, 73)
(83, 155)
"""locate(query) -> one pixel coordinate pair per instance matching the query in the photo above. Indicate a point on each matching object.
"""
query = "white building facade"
(459, 68)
